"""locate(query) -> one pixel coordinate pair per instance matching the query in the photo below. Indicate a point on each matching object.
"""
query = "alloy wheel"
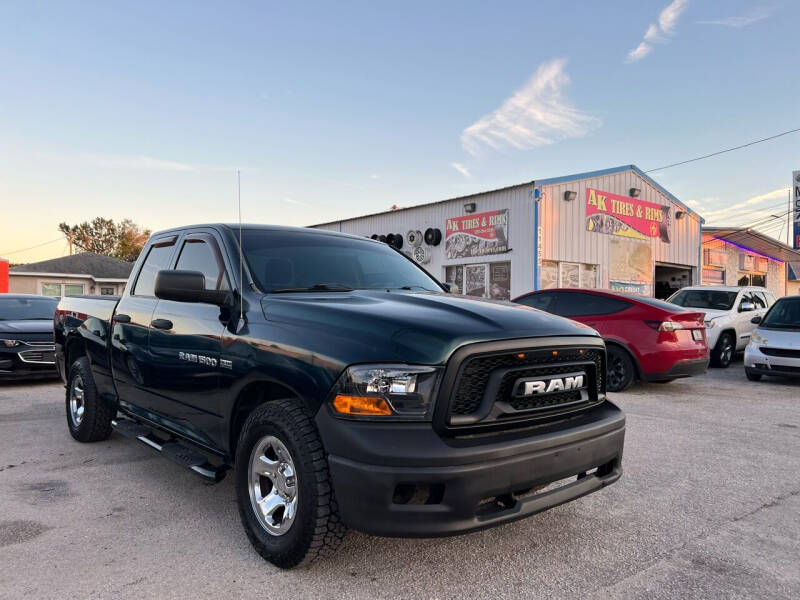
(77, 404)
(273, 485)
(615, 372)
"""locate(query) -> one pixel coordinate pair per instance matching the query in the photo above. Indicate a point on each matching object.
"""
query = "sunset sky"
(334, 109)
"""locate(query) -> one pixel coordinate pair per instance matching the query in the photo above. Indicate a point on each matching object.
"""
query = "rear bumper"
(410, 482)
(682, 368)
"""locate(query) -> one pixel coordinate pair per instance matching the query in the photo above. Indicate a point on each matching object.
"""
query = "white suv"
(729, 310)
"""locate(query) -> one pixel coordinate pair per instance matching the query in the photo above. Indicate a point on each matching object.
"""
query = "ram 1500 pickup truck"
(342, 384)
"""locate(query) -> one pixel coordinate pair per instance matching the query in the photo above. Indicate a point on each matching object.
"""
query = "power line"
(32, 247)
(766, 139)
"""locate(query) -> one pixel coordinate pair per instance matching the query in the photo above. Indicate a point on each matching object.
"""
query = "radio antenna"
(241, 254)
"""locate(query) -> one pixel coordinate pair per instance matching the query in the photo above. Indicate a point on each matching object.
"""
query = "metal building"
(615, 228)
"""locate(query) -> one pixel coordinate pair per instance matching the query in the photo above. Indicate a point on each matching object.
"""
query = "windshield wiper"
(318, 287)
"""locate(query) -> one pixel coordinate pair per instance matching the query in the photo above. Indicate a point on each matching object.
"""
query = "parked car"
(26, 336)
(774, 347)
(646, 339)
(729, 312)
(342, 384)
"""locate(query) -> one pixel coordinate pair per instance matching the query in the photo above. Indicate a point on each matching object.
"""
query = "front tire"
(722, 354)
(619, 370)
(283, 487)
(752, 375)
(88, 416)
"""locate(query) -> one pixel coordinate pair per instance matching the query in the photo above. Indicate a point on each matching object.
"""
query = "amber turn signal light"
(361, 405)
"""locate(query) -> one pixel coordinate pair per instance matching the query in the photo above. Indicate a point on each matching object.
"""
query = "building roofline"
(536, 183)
(69, 276)
(611, 171)
(404, 208)
(789, 253)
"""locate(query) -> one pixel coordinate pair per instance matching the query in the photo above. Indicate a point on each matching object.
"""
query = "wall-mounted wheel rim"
(77, 401)
(273, 485)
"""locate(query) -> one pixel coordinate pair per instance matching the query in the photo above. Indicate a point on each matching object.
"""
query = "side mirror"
(746, 307)
(756, 320)
(188, 286)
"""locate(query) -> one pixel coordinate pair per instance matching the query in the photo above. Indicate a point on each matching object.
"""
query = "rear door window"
(157, 258)
(579, 304)
(540, 301)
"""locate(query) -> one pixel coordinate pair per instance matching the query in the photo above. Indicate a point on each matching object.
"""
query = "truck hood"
(415, 327)
(713, 314)
(8, 328)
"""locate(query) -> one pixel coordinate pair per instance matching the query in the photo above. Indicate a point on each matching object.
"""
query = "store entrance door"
(670, 278)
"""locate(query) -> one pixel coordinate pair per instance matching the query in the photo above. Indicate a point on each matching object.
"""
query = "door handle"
(161, 323)
(122, 318)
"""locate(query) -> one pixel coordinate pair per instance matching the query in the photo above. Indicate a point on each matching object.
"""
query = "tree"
(123, 240)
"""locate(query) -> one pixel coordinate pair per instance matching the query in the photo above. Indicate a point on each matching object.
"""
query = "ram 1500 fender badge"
(198, 358)
(529, 386)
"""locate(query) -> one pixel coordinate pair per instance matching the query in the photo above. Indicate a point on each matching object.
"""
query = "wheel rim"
(615, 371)
(273, 485)
(727, 351)
(77, 404)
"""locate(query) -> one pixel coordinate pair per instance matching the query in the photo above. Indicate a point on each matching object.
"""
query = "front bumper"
(405, 480)
(22, 362)
(756, 361)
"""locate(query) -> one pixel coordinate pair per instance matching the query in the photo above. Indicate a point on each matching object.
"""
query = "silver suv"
(729, 312)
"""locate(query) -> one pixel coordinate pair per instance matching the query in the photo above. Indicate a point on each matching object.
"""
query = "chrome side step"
(172, 449)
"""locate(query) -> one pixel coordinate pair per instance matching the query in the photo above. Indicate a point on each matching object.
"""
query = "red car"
(646, 339)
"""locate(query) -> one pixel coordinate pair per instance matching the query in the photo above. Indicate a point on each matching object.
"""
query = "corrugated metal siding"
(518, 201)
(565, 237)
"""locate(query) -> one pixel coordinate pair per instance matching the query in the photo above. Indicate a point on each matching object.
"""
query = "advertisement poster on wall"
(796, 208)
(626, 217)
(477, 235)
(630, 266)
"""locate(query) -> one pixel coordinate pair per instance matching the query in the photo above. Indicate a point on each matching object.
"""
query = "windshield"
(784, 314)
(711, 299)
(21, 309)
(292, 260)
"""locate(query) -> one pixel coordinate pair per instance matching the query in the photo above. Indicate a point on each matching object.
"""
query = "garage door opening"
(670, 278)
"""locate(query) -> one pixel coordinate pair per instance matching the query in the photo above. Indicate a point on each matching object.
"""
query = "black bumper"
(16, 365)
(405, 480)
(682, 368)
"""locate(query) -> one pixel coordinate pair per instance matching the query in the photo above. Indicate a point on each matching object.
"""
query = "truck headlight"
(10, 343)
(394, 392)
(757, 338)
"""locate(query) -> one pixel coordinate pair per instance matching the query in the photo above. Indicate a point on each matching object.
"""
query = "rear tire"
(752, 375)
(722, 354)
(88, 415)
(619, 370)
(280, 454)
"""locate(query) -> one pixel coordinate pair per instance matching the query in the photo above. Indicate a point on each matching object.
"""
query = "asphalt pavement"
(707, 507)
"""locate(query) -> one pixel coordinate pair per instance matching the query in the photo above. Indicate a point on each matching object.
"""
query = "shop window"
(568, 275)
(483, 280)
(758, 279)
(713, 277)
(107, 291)
(715, 258)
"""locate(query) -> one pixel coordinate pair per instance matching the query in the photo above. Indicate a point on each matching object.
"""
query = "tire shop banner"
(477, 235)
(625, 216)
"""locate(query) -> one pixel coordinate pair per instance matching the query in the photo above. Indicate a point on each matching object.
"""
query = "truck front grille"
(484, 388)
